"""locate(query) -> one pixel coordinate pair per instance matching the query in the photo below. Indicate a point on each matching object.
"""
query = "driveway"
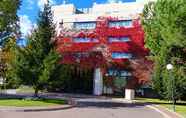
(92, 108)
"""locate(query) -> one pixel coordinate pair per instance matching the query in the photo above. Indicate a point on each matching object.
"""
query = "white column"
(129, 94)
(98, 82)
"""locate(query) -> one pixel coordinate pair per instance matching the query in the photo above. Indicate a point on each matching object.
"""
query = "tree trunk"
(175, 101)
(36, 92)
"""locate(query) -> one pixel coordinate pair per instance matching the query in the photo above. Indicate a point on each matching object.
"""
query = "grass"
(31, 103)
(25, 89)
(180, 106)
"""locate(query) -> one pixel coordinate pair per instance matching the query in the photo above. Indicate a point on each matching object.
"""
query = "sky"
(28, 12)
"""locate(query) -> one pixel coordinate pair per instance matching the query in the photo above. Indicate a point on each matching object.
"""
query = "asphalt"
(87, 113)
(83, 106)
(92, 108)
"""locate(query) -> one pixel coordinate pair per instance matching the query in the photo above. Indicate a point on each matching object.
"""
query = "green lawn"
(180, 106)
(25, 89)
(30, 103)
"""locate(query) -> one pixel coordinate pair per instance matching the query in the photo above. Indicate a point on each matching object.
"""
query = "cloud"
(30, 4)
(112, 1)
(26, 25)
(41, 3)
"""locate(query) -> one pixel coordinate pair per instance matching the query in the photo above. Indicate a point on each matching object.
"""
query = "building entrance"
(81, 81)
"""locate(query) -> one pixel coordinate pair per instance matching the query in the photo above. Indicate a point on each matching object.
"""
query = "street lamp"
(169, 68)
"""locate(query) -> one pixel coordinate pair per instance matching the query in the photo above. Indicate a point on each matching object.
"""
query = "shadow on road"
(113, 105)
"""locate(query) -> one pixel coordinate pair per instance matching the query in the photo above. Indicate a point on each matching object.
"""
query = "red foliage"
(141, 71)
(99, 53)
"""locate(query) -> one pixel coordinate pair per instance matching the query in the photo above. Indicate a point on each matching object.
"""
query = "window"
(81, 55)
(124, 73)
(122, 23)
(120, 73)
(85, 40)
(118, 39)
(119, 55)
(85, 25)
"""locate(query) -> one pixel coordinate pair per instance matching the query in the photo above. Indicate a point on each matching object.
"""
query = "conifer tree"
(35, 64)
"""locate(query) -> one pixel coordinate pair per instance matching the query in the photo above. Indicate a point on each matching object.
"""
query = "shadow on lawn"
(161, 102)
(54, 101)
(31, 98)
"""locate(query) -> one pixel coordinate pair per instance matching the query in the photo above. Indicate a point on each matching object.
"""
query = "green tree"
(164, 23)
(35, 64)
(8, 15)
(9, 56)
(8, 29)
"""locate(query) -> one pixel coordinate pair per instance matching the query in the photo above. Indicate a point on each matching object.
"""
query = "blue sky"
(29, 10)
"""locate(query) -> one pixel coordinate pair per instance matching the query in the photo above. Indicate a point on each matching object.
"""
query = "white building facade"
(69, 14)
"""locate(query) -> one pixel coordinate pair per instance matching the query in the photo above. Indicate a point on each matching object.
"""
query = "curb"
(158, 109)
(16, 109)
(71, 104)
(178, 115)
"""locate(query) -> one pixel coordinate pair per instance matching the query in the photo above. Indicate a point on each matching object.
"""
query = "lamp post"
(169, 68)
(1, 83)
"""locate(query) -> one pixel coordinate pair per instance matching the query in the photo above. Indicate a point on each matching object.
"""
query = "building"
(105, 37)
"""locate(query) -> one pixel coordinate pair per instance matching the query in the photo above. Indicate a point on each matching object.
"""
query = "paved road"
(91, 109)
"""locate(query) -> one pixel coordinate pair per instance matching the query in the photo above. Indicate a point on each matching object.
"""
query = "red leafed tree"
(141, 69)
